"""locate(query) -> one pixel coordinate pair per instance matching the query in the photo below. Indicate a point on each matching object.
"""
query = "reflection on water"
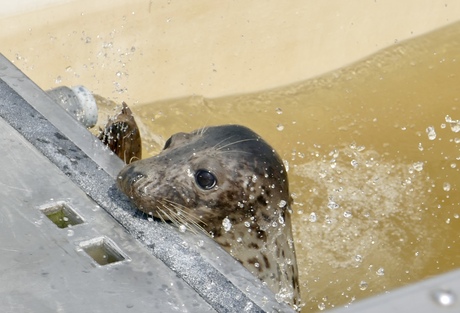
(373, 155)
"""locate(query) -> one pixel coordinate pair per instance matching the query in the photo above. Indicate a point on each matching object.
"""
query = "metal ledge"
(60, 161)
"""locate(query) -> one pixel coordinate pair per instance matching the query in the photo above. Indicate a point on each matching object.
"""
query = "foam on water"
(360, 200)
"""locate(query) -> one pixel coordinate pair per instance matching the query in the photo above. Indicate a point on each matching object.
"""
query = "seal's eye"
(205, 179)
(167, 144)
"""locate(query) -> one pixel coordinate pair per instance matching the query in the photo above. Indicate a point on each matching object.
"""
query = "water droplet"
(332, 204)
(248, 307)
(247, 224)
(347, 214)
(282, 204)
(418, 166)
(313, 218)
(354, 163)
(256, 265)
(454, 124)
(286, 165)
(363, 285)
(279, 127)
(453, 165)
(333, 163)
(279, 111)
(58, 80)
(281, 219)
(446, 186)
(444, 297)
(182, 228)
(380, 271)
(321, 306)
(322, 174)
(431, 133)
(358, 258)
(420, 147)
(226, 224)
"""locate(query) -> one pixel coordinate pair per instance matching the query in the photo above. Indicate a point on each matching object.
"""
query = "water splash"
(431, 132)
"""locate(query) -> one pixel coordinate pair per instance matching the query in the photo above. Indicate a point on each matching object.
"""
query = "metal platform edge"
(76, 153)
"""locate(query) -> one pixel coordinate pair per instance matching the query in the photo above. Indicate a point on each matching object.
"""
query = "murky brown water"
(373, 156)
(376, 200)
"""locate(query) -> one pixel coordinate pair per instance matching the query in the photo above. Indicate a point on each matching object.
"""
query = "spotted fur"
(247, 211)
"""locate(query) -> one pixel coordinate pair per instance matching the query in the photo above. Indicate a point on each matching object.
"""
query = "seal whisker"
(160, 215)
(179, 220)
(183, 217)
(234, 151)
(202, 130)
(235, 142)
(216, 146)
(183, 211)
(172, 218)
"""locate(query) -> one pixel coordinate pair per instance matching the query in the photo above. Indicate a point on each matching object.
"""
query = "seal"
(228, 182)
(122, 136)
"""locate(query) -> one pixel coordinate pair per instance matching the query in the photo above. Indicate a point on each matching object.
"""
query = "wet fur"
(251, 193)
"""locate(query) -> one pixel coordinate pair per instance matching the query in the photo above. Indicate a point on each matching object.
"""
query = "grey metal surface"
(42, 268)
(49, 158)
(438, 294)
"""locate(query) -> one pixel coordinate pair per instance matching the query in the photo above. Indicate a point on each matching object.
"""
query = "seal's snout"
(128, 177)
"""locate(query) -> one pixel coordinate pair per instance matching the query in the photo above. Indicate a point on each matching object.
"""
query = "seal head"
(228, 182)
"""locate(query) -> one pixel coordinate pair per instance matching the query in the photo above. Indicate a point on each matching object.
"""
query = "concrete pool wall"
(144, 51)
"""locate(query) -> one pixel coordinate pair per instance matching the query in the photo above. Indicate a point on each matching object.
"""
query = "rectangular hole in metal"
(62, 215)
(102, 250)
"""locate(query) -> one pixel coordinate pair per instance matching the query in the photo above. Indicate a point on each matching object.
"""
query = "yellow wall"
(143, 51)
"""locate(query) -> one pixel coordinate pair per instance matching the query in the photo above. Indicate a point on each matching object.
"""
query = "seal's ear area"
(175, 140)
(167, 143)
